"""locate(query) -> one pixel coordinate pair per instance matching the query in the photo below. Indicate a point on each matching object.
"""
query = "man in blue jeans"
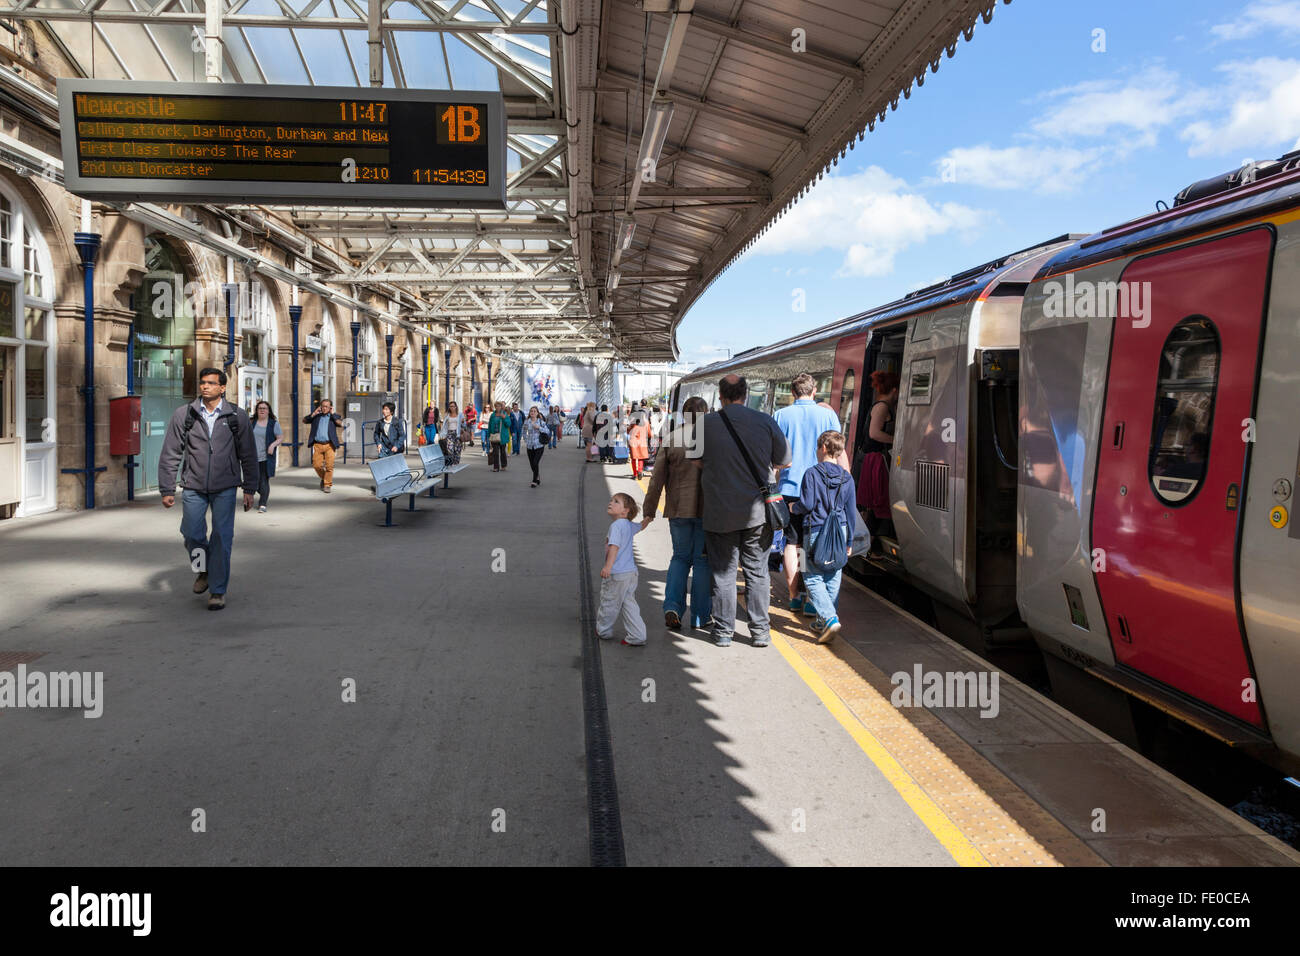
(732, 505)
(210, 442)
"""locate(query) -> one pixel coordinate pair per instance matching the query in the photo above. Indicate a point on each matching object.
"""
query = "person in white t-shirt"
(618, 576)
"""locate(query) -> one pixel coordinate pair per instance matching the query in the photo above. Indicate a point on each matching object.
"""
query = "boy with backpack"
(827, 497)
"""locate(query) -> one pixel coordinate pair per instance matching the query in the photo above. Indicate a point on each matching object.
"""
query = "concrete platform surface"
(413, 695)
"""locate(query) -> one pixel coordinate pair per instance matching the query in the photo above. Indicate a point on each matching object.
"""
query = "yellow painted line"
(645, 490)
(926, 810)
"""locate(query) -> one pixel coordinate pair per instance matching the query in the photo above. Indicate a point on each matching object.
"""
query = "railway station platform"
(415, 695)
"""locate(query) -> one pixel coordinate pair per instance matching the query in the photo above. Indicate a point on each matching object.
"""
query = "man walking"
(733, 507)
(214, 440)
(516, 427)
(324, 438)
(802, 423)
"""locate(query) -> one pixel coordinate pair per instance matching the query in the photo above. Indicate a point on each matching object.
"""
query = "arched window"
(367, 368)
(257, 349)
(1184, 411)
(28, 407)
(322, 375)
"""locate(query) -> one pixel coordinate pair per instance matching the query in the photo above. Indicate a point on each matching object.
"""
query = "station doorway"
(165, 374)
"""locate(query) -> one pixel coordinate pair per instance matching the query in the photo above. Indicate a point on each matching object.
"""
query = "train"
(1096, 446)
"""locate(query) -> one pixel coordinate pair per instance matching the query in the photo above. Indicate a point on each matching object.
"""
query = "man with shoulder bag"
(742, 508)
(209, 449)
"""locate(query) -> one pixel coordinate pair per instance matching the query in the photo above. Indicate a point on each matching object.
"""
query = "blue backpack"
(830, 551)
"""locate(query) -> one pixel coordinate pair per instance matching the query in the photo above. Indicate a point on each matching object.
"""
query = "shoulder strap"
(758, 476)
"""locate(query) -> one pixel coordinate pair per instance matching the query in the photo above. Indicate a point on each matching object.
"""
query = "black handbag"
(777, 513)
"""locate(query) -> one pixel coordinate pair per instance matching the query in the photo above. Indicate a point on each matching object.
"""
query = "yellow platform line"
(963, 816)
(926, 810)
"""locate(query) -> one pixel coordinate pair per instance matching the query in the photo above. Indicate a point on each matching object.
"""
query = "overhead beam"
(779, 47)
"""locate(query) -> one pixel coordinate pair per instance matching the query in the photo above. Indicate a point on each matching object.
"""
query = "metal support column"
(446, 358)
(356, 330)
(130, 390)
(87, 244)
(295, 316)
(231, 291)
(212, 54)
(388, 347)
(424, 373)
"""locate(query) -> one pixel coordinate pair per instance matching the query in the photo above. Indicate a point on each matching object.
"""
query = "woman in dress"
(451, 426)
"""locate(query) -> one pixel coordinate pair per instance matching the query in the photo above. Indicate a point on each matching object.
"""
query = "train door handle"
(1118, 440)
(1125, 634)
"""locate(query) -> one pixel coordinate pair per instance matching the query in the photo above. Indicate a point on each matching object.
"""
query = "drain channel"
(603, 820)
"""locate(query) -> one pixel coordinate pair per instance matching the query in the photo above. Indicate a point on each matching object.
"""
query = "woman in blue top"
(267, 435)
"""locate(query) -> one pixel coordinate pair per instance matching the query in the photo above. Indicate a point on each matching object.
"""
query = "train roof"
(961, 287)
(1248, 192)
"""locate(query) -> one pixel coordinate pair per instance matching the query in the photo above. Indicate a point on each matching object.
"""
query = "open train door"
(1171, 472)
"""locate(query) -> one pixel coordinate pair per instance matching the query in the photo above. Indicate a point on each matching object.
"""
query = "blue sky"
(1038, 135)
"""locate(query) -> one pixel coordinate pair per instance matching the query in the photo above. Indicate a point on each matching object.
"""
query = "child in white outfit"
(618, 575)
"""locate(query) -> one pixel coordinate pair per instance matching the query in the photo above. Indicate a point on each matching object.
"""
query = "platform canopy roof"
(650, 143)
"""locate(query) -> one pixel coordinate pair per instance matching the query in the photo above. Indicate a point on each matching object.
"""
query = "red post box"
(124, 425)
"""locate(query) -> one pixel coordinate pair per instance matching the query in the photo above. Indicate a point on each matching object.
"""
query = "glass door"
(164, 353)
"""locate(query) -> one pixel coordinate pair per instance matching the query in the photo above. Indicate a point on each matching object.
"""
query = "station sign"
(127, 140)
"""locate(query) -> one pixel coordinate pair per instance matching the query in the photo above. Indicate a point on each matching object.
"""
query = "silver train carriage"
(1097, 443)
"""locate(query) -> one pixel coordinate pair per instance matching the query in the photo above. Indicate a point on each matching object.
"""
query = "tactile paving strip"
(985, 806)
(11, 659)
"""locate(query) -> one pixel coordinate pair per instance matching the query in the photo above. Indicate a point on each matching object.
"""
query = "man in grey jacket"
(215, 441)
(732, 506)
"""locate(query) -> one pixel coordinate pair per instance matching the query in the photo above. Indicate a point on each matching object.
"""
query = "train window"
(757, 397)
(1184, 412)
(919, 381)
(846, 400)
(921, 327)
(781, 395)
(823, 392)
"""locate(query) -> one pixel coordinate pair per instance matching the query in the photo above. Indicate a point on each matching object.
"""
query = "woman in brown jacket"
(678, 468)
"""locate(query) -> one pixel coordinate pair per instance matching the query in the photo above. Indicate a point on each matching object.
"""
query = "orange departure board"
(186, 142)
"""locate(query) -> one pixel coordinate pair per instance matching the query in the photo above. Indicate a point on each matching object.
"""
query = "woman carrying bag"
(535, 436)
(451, 426)
(428, 433)
(498, 432)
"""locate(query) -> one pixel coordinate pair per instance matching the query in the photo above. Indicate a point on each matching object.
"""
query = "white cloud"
(1265, 110)
(1275, 17)
(1143, 103)
(870, 215)
(1044, 169)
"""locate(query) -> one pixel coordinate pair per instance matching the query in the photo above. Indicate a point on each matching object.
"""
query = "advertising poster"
(569, 386)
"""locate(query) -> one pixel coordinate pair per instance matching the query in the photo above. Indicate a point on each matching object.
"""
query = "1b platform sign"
(126, 140)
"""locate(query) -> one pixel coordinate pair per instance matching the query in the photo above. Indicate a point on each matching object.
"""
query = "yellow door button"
(1278, 517)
